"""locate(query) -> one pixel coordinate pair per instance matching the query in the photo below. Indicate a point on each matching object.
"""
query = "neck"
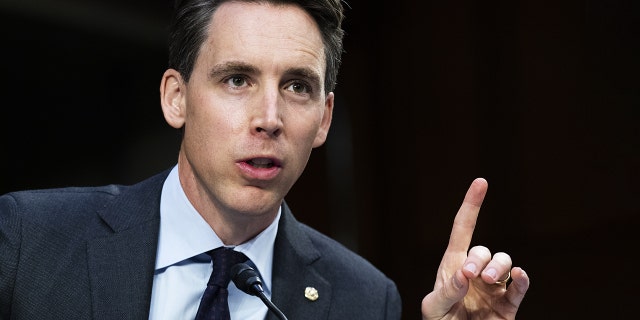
(233, 224)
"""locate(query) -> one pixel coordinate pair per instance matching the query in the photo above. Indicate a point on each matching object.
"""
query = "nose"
(267, 118)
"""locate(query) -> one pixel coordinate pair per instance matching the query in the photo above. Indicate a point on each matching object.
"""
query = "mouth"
(262, 163)
(260, 168)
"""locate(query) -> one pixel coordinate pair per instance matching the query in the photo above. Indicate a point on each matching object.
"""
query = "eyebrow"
(231, 67)
(305, 73)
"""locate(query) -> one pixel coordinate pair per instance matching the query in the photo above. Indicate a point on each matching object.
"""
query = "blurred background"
(541, 98)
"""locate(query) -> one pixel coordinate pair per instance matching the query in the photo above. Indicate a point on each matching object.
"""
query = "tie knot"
(223, 259)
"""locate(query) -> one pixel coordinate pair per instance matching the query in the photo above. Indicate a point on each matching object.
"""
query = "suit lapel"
(121, 265)
(121, 269)
(293, 272)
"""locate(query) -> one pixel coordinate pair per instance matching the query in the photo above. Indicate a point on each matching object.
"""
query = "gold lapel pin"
(311, 293)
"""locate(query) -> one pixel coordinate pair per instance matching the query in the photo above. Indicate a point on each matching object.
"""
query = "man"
(250, 86)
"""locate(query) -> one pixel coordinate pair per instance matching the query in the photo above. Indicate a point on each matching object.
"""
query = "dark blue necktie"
(214, 304)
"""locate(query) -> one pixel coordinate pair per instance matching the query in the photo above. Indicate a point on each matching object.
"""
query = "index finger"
(465, 221)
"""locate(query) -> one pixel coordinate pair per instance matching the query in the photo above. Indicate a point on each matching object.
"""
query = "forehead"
(263, 33)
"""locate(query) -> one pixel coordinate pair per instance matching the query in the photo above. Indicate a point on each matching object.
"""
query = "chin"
(256, 204)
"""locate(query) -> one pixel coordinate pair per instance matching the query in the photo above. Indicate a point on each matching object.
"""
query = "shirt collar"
(184, 234)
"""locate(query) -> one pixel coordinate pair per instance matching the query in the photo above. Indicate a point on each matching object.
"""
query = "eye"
(236, 81)
(299, 88)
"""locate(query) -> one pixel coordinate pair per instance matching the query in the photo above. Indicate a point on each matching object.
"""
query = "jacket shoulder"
(73, 211)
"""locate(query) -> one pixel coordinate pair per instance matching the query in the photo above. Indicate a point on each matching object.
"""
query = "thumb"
(441, 300)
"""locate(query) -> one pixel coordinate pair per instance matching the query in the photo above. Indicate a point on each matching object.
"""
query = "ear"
(172, 95)
(321, 135)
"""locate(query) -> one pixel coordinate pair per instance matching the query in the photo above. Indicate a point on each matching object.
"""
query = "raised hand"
(471, 284)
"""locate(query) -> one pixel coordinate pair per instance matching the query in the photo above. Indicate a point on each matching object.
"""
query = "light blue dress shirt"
(183, 267)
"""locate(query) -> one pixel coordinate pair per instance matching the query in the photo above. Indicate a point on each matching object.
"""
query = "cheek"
(305, 131)
(207, 117)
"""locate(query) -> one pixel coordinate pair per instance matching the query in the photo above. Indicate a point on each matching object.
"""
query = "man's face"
(253, 109)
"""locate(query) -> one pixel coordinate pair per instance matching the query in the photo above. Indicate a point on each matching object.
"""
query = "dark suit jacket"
(89, 253)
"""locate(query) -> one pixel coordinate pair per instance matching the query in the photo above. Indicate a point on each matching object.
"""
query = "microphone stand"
(247, 280)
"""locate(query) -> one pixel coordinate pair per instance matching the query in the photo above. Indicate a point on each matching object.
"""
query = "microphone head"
(246, 279)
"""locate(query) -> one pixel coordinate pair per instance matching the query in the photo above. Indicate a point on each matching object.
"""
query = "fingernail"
(491, 273)
(471, 267)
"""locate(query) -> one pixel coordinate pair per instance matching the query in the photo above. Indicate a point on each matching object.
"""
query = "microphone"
(247, 280)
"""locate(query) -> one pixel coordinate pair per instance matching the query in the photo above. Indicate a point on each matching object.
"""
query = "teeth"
(261, 163)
